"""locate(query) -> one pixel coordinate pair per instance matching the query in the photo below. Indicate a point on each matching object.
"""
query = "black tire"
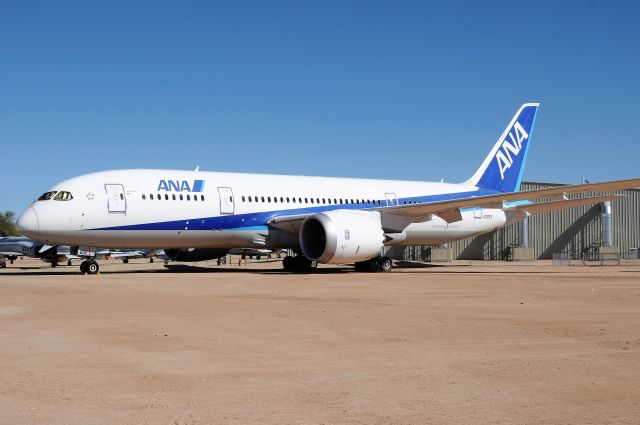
(92, 267)
(287, 263)
(83, 267)
(302, 264)
(374, 265)
(385, 264)
(69, 263)
(54, 264)
(125, 260)
(150, 260)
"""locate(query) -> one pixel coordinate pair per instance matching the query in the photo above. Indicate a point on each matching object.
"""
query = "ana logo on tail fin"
(502, 169)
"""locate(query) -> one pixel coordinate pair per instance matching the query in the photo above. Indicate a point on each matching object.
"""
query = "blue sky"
(399, 89)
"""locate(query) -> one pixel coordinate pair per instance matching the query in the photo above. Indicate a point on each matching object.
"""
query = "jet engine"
(341, 236)
(195, 254)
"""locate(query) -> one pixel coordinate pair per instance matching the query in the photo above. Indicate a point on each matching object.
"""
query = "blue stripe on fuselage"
(259, 219)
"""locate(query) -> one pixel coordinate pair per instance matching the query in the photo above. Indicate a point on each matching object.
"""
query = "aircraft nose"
(28, 223)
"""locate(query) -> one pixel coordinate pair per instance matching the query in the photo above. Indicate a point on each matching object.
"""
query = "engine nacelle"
(342, 236)
(195, 254)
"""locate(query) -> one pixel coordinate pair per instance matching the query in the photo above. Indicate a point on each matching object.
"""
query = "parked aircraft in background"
(12, 247)
(196, 214)
(21, 246)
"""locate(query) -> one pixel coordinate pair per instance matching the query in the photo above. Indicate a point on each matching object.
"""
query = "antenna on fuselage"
(197, 168)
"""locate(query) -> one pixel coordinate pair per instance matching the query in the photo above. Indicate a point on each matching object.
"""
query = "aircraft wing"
(543, 207)
(449, 210)
(12, 253)
(289, 223)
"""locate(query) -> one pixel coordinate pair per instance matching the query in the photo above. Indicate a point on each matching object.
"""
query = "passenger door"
(227, 205)
(116, 201)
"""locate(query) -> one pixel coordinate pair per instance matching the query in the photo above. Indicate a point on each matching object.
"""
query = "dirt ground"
(489, 343)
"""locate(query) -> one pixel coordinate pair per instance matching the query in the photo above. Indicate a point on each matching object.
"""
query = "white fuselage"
(190, 209)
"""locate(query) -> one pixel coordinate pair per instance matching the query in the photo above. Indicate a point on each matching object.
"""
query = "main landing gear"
(297, 264)
(376, 264)
(89, 267)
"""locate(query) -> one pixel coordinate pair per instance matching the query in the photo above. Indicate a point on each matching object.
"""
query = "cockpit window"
(63, 196)
(47, 195)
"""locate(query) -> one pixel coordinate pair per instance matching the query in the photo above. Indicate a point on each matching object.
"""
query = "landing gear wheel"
(69, 263)
(377, 264)
(92, 267)
(361, 266)
(125, 261)
(385, 264)
(374, 265)
(83, 267)
(287, 263)
(54, 264)
(151, 260)
(297, 264)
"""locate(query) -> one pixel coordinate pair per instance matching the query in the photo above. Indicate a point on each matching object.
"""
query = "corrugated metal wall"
(570, 230)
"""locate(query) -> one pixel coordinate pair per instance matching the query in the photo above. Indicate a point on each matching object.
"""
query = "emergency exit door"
(227, 205)
(116, 200)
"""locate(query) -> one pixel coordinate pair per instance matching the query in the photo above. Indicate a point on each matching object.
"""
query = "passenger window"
(195, 198)
(275, 199)
(188, 197)
(324, 201)
(287, 199)
(242, 198)
(299, 200)
(144, 197)
(262, 198)
(151, 196)
(202, 197)
(173, 196)
(166, 196)
(181, 197)
(294, 200)
(312, 200)
(306, 200)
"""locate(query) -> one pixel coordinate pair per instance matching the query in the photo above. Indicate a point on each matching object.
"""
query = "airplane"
(21, 246)
(324, 220)
(12, 247)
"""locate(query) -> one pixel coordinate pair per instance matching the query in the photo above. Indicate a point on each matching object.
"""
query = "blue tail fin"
(502, 168)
